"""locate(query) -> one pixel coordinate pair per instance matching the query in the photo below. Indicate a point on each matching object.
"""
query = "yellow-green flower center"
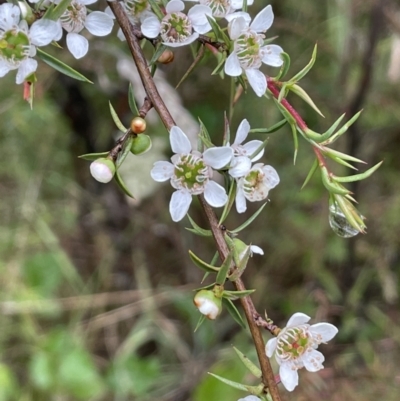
(191, 173)
(175, 28)
(14, 45)
(247, 47)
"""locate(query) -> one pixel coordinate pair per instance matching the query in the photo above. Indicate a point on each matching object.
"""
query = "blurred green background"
(96, 290)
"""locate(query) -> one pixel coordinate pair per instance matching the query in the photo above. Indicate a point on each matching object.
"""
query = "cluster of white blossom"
(191, 172)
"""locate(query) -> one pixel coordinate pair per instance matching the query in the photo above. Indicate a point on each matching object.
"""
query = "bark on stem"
(157, 102)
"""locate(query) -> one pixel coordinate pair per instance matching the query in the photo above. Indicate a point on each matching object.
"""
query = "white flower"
(296, 346)
(249, 50)
(223, 8)
(190, 174)
(176, 28)
(75, 18)
(250, 398)
(241, 162)
(18, 42)
(255, 185)
(208, 304)
(102, 170)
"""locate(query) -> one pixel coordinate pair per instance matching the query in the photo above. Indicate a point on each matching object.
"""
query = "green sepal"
(224, 270)
(255, 370)
(269, 130)
(218, 32)
(93, 156)
(56, 12)
(234, 312)
(300, 92)
(301, 74)
(132, 101)
(158, 52)
(122, 185)
(229, 204)
(285, 66)
(197, 229)
(255, 390)
(233, 295)
(200, 322)
(126, 148)
(359, 177)
(330, 185)
(313, 169)
(249, 221)
(116, 119)
(201, 264)
(60, 66)
(344, 128)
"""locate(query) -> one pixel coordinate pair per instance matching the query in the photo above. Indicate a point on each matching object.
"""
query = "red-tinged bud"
(166, 57)
(138, 125)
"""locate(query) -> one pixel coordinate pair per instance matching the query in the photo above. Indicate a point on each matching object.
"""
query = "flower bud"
(166, 57)
(138, 125)
(208, 304)
(102, 170)
(141, 144)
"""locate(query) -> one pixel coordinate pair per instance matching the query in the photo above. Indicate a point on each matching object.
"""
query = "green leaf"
(285, 66)
(283, 92)
(132, 101)
(224, 269)
(359, 177)
(255, 370)
(295, 142)
(300, 92)
(54, 13)
(306, 69)
(233, 295)
(126, 148)
(204, 135)
(158, 52)
(241, 260)
(255, 390)
(330, 185)
(200, 322)
(198, 230)
(259, 149)
(249, 221)
(60, 66)
(331, 130)
(218, 32)
(331, 152)
(196, 61)
(93, 156)
(234, 312)
(229, 204)
(156, 9)
(344, 128)
(122, 185)
(201, 264)
(313, 169)
(116, 119)
(220, 66)
(269, 130)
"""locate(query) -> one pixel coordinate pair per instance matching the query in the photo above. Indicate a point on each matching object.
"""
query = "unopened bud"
(138, 125)
(208, 304)
(141, 144)
(166, 57)
(102, 170)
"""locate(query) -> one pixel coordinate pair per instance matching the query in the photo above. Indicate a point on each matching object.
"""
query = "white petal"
(256, 249)
(99, 23)
(236, 27)
(151, 27)
(232, 65)
(174, 6)
(272, 55)
(162, 171)
(313, 360)
(326, 330)
(9, 16)
(250, 398)
(187, 41)
(242, 132)
(26, 68)
(218, 157)
(236, 4)
(263, 20)
(297, 319)
(179, 204)
(257, 81)
(87, 2)
(251, 147)
(179, 141)
(77, 44)
(271, 347)
(232, 16)
(240, 201)
(271, 177)
(109, 12)
(214, 194)
(59, 32)
(197, 15)
(289, 377)
(120, 35)
(4, 68)
(240, 166)
(42, 32)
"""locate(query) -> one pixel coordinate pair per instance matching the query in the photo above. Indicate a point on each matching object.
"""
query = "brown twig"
(157, 102)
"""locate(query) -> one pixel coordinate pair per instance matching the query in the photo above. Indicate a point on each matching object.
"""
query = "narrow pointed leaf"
(300, 92)
(307, 68)
(158, 52)
(259, 149)
(359, 177)
(241, 263)
(344, 128)
(234, 312)
(204, 135)
(93, 156)
(331, 152)
(313, 169)
(122, 185)
(233, 295)
(249, 221)
(224, 269)
(132, 101)
(255, 390)
(295, 142)
(220, 66)
(200, 322)
(201, 264)
(58, 11)
(60, 66)
(283, 93)
(198, 230)
(229, 204)
(331, 130)
(116, 119)
(285, 66)
(269, 130)
(255, 370)
(218, 32)
(330, 185)
(196, 61)
(126, 148)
